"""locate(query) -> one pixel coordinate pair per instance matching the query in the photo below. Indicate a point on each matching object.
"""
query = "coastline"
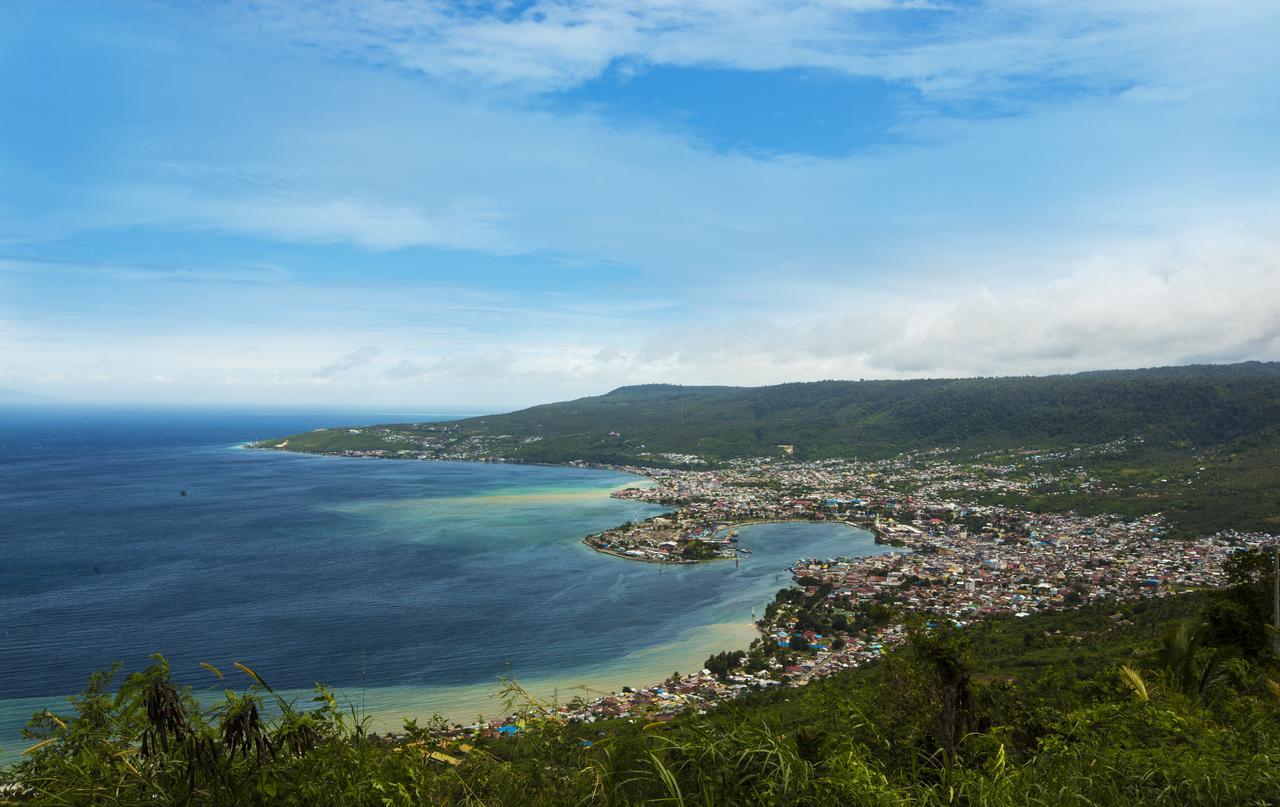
(652, 656)
(641, 472)
(388, 706)
(463, 703)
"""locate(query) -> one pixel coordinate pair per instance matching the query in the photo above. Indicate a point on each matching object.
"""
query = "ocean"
(412, 587)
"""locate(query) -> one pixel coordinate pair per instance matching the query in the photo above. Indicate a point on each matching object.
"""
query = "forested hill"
(1194, 406)
(1184, 408)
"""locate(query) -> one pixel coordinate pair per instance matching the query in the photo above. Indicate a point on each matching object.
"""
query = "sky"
(495, 204)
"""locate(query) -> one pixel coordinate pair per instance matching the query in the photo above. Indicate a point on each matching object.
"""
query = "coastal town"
(953, 549)
(946, 556)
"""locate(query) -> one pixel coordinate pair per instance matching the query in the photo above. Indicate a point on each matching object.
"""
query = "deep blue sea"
(415, 584)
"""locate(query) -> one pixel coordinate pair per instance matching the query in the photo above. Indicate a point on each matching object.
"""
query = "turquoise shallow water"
(410, 586)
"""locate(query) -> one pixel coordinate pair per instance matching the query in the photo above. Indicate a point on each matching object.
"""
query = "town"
(947, 556)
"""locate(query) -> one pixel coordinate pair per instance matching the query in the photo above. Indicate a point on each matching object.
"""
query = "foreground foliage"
(1147, 703)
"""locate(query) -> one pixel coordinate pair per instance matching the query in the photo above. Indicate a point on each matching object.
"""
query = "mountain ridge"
(1196, 405)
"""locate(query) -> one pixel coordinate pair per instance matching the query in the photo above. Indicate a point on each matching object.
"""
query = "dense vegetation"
(1167, 701)
(1194, 407)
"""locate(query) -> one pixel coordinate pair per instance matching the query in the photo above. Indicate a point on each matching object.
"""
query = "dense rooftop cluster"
(946, 558)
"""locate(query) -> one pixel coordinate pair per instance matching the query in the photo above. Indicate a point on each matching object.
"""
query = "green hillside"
(1191, 407)
(1202, 443)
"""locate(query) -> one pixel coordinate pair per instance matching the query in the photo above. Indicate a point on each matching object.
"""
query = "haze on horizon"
(501, 204)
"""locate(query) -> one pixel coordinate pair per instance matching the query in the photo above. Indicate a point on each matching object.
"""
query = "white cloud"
(289, 213)
(963, 51)
(1209, 298)
(232, 274)
(355, 360)
(1052, 240)
(470, 366)
(344, 155)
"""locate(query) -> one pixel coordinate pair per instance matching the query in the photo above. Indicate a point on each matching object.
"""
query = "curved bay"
(414, 584)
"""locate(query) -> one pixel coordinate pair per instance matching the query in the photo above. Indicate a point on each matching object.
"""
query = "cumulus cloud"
(355, 360)
(1209, 298)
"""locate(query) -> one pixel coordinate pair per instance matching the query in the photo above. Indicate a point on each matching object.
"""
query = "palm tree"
(1185, 664)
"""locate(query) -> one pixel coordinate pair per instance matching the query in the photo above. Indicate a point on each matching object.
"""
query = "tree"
(1231, 622)
(721, 664)
(1239, 615)
(943, 653)
(1187, 664)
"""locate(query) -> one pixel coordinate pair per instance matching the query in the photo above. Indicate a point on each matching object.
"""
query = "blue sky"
(497, 204)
